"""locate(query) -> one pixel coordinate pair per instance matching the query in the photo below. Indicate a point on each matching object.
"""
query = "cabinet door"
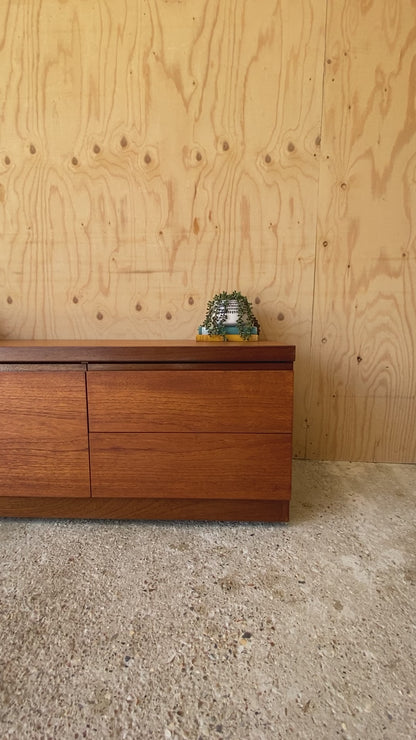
(43, 432)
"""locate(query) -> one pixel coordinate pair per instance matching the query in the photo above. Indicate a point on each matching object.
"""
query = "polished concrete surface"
(197, 631)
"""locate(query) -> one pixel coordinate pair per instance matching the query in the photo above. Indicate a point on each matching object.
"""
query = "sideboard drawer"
(245, 466)
(183, 401)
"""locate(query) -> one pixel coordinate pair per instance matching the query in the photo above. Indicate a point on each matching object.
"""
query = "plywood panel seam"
(309, 391)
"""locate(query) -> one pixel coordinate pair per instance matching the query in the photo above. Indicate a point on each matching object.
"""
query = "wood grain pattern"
(363, 390)
(183, 401)
(43, 434)
(223, 466)
(160, 150)
(151, 154)
(154, 153)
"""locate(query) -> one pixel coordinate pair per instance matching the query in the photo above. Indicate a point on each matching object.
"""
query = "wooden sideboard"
(146, 430)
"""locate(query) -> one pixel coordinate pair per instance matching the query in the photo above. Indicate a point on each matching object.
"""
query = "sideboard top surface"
(143, 351)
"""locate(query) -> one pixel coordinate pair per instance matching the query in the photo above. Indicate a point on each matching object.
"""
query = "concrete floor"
(200, 631)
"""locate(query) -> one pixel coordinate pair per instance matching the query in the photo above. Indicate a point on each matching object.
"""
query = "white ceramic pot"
(232, 313)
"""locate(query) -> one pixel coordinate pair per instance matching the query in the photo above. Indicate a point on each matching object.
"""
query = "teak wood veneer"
(146, 430)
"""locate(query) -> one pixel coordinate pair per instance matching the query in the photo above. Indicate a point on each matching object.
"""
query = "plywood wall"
(362, 403)
(154, 152)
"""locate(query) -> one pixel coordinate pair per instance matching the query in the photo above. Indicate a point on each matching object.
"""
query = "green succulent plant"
(216, 315)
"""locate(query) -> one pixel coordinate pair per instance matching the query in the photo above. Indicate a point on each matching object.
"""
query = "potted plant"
(230, 314)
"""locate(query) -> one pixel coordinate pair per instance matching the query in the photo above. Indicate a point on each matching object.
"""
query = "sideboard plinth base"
(150, 509)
